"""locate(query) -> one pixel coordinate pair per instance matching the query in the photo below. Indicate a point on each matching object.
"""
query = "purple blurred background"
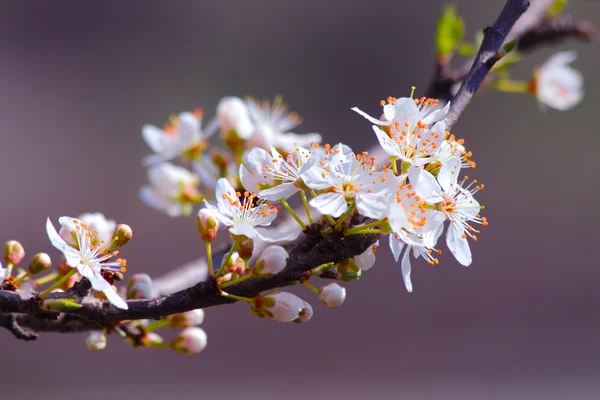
(80, 78)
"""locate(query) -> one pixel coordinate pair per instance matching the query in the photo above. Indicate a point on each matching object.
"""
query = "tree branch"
(95, 314)
(554, 30)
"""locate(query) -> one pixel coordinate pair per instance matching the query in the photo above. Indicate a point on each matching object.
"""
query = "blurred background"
(78, 79)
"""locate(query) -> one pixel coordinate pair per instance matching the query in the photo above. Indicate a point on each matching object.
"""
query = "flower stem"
(46, 278)
(305, 201)
(234, 246)
(238, 280)
(157, 324)
(22, 278)
(209, 258)
(159, 345)
(57, 283)
(509, 86)
(342, 218)
(321, 268)
(239, 298)
(311, 287)
(292, 213)
(352, 231)
(365, 232)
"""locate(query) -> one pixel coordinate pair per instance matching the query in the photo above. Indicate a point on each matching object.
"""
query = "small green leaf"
(508, 47)
(557, 7)
(506, 62)
(450, 31)
(466, 49)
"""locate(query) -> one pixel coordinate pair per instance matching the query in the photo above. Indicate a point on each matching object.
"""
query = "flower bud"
(151, 338)
(305, 314)
(280, 306)
(271, 262)
(366, 260)
(187, 319)
(40, 263)
(121, 236)
(332, 295)
(207, 224)
(60, 305)
(96, 341)
(190, 341)
(139, 287)
(13, 252)
(235, 264)
(245, 248)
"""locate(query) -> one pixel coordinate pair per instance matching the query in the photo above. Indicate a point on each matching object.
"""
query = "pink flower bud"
(139, 287)
(187, 319)
(245, 248)
(280, 306)
(40, 263)
(13, 252)
(190, 341)
(150, 338)
(96, 341)
(207, 224)
(121, 236)
(305, 314)
(332, 295)
(271, 262)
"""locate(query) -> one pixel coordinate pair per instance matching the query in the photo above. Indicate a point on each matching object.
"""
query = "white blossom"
(411, 130)
(182, 134)
(243, 217)
(556, 84)
(233, 115)
(172, 189)
(89, 258)
(272, 124)
(101, 227)
(349, 180)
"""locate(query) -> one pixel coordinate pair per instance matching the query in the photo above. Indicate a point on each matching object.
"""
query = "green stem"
(351, 231)
(321, 268)
(509, 86)
(342, 218)
(365, 232)
(234, 246)
(238, 280)
(306, 207)
(159, 345)
(311, 287)
(292, 213)
(157, 324)
(22, 278)
(46, 278)
(9, 268)
(394, 167)
(239, 298)
(57, 283)
(209, 258)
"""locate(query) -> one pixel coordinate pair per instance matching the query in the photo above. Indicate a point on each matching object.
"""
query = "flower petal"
(458, 245)
(367, 116)
(71, 255)
(333, 204)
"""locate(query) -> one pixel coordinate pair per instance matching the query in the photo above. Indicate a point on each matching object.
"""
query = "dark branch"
(487, 56)
(555, 30)
(95, 314)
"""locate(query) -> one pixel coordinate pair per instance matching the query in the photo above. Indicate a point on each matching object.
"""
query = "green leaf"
(450, 31)
(466, 49)
(557, 7)
(506, 62)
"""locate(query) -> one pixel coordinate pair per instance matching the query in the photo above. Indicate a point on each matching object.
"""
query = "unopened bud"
(207, 224)
(366, 260)
(40, 263)
(305, 314)
(59, 305)
(280, 306)
(187, 319)
(13, 252)
(245, 248)
(271, 262)
(139, 287)
(151, 338)
(235, 264)
(96, 341)
(190, 341)
(121, 236)
(332, 295)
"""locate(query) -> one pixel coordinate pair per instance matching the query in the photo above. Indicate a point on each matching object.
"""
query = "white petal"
(425, 184)
(448, 175)
(436, 115)
(367, 116)
(387, 143)
(273, 235)
(333, 204)
(71, 255)
(458, 245)
(224, 219)
(313, 178)
(154, 137)
(278, 192)
(396, 246)
(223, 193)
(389, 111)
(373, 205)
(406, 270)
(245, 229)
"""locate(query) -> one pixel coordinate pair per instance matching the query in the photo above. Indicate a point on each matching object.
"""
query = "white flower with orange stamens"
(89, 257)
(172, 189)
(97, 223)
(182, 135)
(556, 84)
(274, 177)
(343, 180)
(412, 130)
(243, 217)
(460, 208)
(272, 123)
